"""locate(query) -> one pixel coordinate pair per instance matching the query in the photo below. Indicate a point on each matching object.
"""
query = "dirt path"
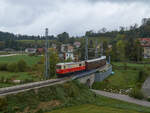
(123, 98)
(8, 55)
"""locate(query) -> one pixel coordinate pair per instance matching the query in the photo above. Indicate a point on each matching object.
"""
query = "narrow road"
(122, 98)
(8, 55)
(146, 87)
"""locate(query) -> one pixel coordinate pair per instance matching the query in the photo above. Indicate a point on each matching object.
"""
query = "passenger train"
(64, 69)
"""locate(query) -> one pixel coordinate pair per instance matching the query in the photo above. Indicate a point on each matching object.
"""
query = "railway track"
(37, 85)
(29, 86)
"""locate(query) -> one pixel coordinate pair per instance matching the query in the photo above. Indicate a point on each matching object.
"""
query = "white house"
(30, 50)
(67, 50)
(69, 55)
(77, 44)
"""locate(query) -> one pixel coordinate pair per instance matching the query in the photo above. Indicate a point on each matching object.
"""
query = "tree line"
(125, 44)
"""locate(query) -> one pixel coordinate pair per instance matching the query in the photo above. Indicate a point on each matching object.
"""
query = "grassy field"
(6, 78)
(93, 109)
(130, 64)
(30, 60)
(123, 79)
(105, 105)
(10, 76)
(15, 75)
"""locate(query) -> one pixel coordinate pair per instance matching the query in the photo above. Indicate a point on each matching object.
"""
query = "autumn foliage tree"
(53, 61)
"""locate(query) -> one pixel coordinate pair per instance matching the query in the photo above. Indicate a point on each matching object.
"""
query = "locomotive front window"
(58, 67)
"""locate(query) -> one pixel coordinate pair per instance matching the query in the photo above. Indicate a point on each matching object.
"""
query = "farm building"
(145, 43)
(30, 50)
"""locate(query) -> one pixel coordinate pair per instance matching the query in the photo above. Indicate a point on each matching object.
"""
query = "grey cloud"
(73, 16)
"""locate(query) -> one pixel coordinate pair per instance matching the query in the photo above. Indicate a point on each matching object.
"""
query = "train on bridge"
(66, 69)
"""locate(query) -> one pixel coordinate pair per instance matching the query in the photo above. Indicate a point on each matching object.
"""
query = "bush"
(2, 79)
(28, 80)
(142, 76)
(3, 67)
(125, 66)
(136, 93)
(148, 99)
(3, 103)
(12, 67)
(21, 65)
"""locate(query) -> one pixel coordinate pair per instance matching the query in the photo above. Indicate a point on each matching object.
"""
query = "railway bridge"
(88, 77)
(95, 75)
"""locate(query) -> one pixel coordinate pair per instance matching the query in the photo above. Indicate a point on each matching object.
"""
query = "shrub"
(3, 103)
(136, 93)
(148, 99)
(21, 65)
(28, 80)
(101, 85)
(12, 67)
(3, 67)
(125, 66)
(142, 76)
(2, 79)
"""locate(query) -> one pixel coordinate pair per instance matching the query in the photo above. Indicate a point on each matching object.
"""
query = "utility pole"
(86, 48)
(96, 50)
(46, 55)
(101, 49)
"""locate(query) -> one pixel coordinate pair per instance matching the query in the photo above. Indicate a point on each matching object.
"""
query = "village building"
(67, 51)
(68, 55)
(30, 50)
(40, 50)
(54, 46)
(77, 44)
(145, 43)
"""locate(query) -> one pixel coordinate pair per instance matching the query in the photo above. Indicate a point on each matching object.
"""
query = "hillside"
(69, 97)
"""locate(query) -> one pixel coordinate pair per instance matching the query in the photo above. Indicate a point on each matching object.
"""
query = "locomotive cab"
(69, 68)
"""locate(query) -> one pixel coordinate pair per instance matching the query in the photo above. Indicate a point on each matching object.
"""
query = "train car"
(63, 69)
(95, 63)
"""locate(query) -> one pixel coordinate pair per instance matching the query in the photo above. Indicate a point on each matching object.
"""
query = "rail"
(29, 86)
(36, 85)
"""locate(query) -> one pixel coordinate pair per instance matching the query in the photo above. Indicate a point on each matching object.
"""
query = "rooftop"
(145, 42)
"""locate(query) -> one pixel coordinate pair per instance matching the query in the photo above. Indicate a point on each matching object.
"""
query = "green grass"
(133, 65)
(23, 76)
(92, 109)
(72, 98)
(130, 64)
(15, 76)
(30, 60)
(123, 78)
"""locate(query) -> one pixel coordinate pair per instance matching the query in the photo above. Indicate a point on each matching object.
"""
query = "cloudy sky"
(73, 16)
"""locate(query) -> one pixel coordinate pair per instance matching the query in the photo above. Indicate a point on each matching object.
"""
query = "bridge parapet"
(97, 75)
(103, 74)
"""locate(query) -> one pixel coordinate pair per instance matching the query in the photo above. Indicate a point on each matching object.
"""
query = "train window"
(58, 67)
(64, 67)
(80, 64)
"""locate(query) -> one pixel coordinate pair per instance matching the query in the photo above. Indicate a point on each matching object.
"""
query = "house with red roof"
(40, 50)
(145, 43)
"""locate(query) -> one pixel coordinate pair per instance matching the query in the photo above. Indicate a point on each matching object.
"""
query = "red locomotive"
(73, 67)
